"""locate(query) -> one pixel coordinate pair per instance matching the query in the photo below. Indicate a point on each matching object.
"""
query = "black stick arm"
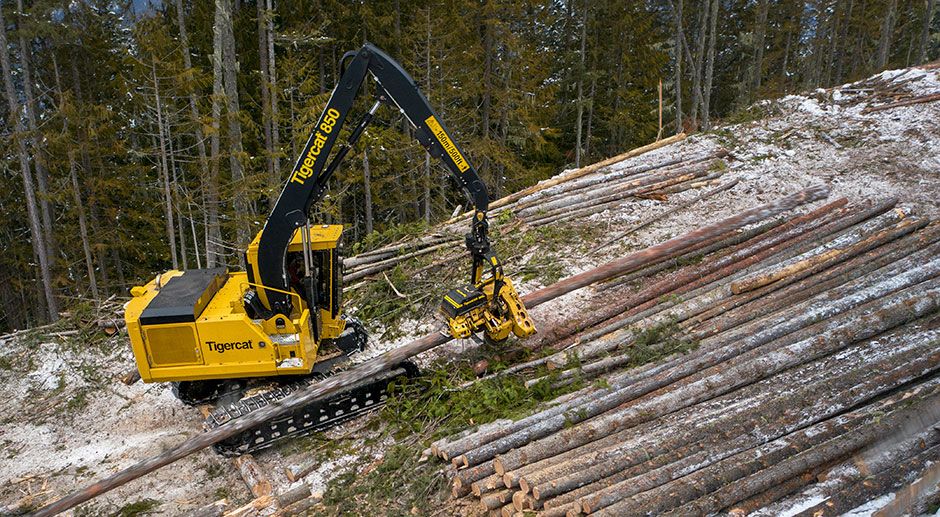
(402, 92)
(306, 186)
(308, 180)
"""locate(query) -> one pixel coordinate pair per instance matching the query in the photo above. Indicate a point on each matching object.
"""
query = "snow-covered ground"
(66, 420)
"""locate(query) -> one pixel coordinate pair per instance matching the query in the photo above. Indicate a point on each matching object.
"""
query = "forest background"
(140, 137)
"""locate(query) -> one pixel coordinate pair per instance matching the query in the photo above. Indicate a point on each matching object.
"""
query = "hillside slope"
(68, 421)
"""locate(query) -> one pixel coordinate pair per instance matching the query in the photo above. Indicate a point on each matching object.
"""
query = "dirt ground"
(66, 420)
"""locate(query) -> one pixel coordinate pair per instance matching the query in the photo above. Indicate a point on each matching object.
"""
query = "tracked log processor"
(245, 339)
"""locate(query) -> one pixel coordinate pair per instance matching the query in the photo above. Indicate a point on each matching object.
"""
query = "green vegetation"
(139, 507)
(418, 413)
(658, 342)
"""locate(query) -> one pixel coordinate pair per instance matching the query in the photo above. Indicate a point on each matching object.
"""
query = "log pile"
(888, 92)
(580, 193)
(375, 366)
(594, 193)
(811, 360)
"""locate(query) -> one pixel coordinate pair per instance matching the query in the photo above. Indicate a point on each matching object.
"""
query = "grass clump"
(139, 507)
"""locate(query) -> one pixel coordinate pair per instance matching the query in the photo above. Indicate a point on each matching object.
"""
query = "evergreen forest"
(142, 136)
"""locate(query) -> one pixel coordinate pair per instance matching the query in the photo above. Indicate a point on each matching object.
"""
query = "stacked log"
(891, 92)
(816, 346)
(580, 193)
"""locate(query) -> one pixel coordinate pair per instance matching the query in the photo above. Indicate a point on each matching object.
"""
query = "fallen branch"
(915, 100)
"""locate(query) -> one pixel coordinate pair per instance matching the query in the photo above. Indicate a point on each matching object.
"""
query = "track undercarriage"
(237, 398)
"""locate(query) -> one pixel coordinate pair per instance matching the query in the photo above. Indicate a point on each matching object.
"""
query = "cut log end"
(524, 485)
(290, 475)
(498, 466)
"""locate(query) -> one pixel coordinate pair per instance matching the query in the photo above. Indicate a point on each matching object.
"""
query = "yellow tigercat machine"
(246, 339)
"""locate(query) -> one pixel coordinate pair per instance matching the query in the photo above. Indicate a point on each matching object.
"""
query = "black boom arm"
(308, 180)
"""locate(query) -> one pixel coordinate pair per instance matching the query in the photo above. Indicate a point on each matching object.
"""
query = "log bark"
(254, 477)
(776, 473)
(392, 262)
(210, 510)
(497, 499)
(584, 171)
(301, 507)
(658, 217)
(634, 260)
(608, 177)
(828, 257)
(603, 199)
(723, 314)
(833, 394)
(293, 495)
(873, 486)
(535, 443)
(801, 239)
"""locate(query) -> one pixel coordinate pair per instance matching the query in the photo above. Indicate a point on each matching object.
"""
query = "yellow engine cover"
(217, 340)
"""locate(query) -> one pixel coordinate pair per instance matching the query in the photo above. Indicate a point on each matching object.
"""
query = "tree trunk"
(699, 101)
(577, 148)
(272, 84)
(710, 67)
(266, 121)
(929, 6)
(427, 93)
(590, 117)
(887, 34)
(757, 70)
(213, 234)
(76, 192)
(208, 177)
(32, 210)
(841, 41)
(487, 71)
(367, 187)
(164, 172)
(41, 157)
(678, 67)
(177, 204)
(89, 185)
(230, 82)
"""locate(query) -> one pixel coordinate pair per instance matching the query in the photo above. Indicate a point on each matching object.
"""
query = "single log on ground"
(210, 510)
(253, 475)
